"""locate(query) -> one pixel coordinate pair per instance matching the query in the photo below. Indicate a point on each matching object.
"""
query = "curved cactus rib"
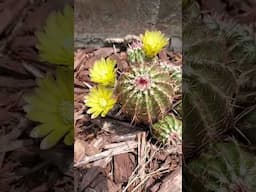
(135, 118)
(149, 108)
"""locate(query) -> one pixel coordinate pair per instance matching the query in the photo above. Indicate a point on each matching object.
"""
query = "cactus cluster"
(145, 92)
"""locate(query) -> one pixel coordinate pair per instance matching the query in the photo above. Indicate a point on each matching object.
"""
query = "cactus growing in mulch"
(145, 92)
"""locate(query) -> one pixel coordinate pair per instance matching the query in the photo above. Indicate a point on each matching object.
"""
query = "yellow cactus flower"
(103, 72)
(100, 100)
(55, 42)
(153, 43)
(51, 105)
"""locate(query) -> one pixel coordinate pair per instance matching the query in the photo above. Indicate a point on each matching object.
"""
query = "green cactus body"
(145, 92)
(135, 52)
(225, 167)
(168, 129)
(208, 86)
(135, 55)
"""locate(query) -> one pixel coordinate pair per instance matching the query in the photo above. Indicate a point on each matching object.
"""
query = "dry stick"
(134, 178)
(141, 153)
(156, 172)
(121, 144)
(108, 153)
(126, 137)
(87, 85)
(33, 70)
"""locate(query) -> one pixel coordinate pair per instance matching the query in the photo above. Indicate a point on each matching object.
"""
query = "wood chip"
(174, 180)
(108, 153)
(79, 150)
(9, 10)
(123, 167)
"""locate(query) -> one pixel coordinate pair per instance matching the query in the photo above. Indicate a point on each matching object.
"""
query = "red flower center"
(142, 83)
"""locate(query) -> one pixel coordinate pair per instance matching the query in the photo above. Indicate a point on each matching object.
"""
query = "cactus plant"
(145, 92)
(208, 86)
(225, 167)
(168, 129)
(135, 52)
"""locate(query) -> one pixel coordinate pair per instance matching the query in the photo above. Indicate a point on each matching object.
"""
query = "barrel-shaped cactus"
(224, 167)
(168, 129)
(145, 92)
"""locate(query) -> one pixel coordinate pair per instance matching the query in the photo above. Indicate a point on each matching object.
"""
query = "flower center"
(67, 111)
(103, 102)
(142, 83)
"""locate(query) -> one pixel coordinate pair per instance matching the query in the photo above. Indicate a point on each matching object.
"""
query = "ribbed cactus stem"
(168, 129)
(135, 52)
(145, 92)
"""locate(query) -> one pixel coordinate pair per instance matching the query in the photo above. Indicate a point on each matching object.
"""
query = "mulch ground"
(110, 153)
(23, 166)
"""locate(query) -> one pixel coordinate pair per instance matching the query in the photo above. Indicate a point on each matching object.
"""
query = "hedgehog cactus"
(225, 167)
(168, 129)
(145, 92)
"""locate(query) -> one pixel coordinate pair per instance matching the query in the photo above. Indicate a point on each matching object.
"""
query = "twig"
(142, 155)
(33, 70)
(121, 144)
(121, 138)
(108, 153)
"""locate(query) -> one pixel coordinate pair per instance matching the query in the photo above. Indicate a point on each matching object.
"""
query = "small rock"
(176, 44)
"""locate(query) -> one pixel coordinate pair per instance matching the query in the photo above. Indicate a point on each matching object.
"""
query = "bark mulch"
(23, 166)
(112, 155)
